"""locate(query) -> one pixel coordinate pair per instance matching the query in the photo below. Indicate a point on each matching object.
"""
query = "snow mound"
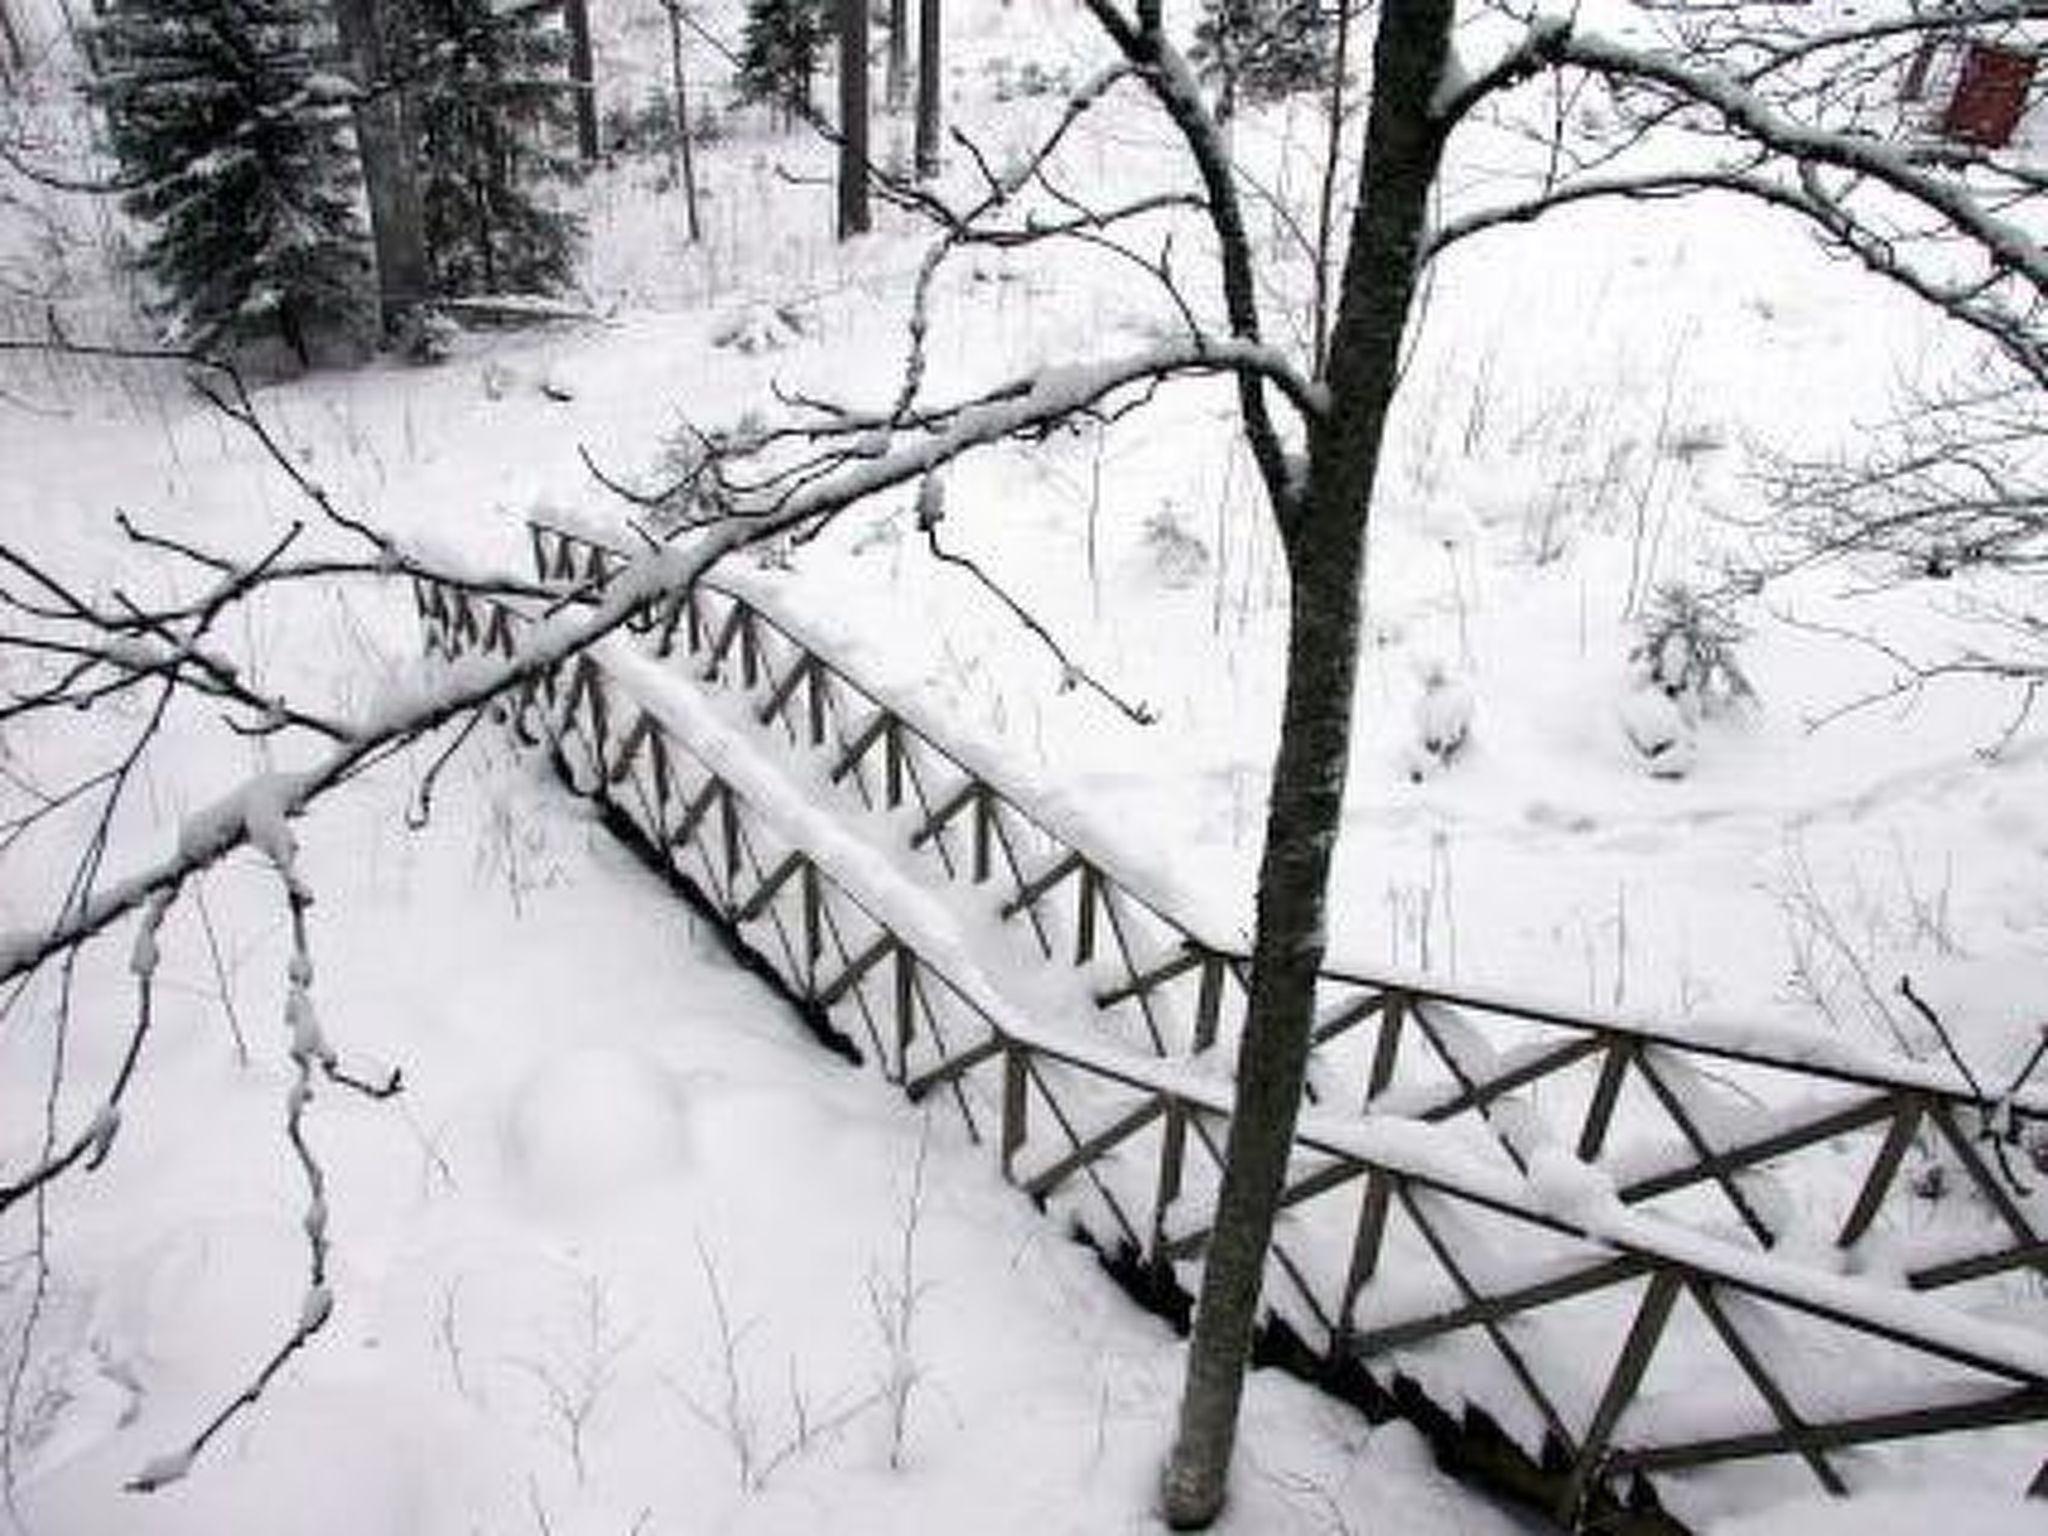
(1659, 731)
(756, 328)
(593, 1123)
(1443, 722)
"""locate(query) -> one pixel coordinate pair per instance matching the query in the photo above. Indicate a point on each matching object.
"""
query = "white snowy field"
(602, 1118)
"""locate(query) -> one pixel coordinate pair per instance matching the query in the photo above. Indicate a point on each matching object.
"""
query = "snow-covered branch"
(1763, 113)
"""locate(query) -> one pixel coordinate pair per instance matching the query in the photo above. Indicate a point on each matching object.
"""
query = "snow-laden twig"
(310, 1053)
(735, 1414)
(574, 1379)
(895, 1298)
(930, 512)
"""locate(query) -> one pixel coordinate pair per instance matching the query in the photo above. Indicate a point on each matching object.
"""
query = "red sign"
(1990, 95)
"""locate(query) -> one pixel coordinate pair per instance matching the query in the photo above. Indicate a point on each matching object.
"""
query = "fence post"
(1016, 1105)
(905, 992)
(1209, 1003)
(984, 835)
(1173, 1144)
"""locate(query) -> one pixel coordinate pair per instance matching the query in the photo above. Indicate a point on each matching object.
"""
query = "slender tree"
(1742, 94)
(930, 85)
(222, 113)
(896, 89)
(582, 77)
(855, 214)
(681, 145)
(1323, 519)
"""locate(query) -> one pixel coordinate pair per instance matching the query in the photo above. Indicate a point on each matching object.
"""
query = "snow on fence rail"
(1440, 1234)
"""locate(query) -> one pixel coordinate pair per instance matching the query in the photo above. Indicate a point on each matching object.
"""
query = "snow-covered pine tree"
(497, 127)
(226, 115)
(1254, 51)
(779, 53)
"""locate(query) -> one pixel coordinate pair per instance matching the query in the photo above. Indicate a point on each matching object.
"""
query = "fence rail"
(1484, 1194)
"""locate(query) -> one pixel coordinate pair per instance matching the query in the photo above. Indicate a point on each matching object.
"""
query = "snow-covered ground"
(602, 1118)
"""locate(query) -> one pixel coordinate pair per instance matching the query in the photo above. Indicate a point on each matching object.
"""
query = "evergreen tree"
(779, 53)
(1261, 50)
(496, 125)
(226, 114)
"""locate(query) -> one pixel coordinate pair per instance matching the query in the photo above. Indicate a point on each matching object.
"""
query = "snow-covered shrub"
(649, 128)
(683, 471)
(1179, 558)
(1008, 81)
(1685, 649)
(1685, 669)
(645, 128)
(427, 334)
(680, 473)
(1443, 722)
(1660, 731)
(755, 328)
(1261, 50)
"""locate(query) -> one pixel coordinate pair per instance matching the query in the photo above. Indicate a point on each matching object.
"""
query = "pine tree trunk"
(855, 217)
(929, 27)
(384, 140)
(294, 334)
(898, 78)
(583, 77)
(1325, 543)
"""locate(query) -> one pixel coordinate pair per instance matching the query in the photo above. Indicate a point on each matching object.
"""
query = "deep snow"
(598, 1107)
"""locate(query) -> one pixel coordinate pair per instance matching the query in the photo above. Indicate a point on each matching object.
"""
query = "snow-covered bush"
(1684, 669)
(428, 334)
(1660, 731)
(1261, 50)
(644, 128)
(1685, 649)
(1443, 722)
(756, 327)
(1178, 557)
(1009, 81)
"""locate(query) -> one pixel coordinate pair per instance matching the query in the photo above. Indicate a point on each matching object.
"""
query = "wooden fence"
(1576, 1230)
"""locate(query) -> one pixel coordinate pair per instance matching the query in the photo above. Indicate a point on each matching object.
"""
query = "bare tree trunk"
(385, 141)
(898, 79)
(673, 9)
(855, 216)
(583, 76)
(930, 25)
(1325, 542)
